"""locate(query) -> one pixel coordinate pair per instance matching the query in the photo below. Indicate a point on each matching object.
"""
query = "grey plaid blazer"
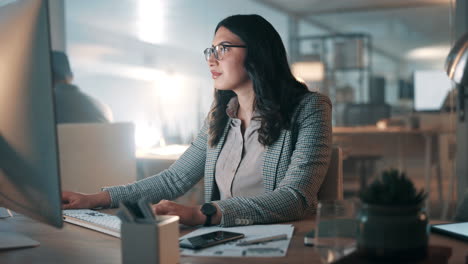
(293, 170)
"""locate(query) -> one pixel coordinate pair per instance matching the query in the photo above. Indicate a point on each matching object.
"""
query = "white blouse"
(239, 166)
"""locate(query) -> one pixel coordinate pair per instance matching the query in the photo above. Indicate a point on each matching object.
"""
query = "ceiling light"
(429, 52)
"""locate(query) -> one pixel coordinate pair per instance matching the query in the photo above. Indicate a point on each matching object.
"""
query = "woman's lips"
(215, 75)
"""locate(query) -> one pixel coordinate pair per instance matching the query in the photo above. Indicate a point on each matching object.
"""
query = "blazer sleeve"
(170, 183)
(296, 194)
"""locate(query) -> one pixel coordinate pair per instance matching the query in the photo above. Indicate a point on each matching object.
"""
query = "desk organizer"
(151, 242)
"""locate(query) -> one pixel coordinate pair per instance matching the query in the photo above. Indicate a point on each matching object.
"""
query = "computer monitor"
(430, 89)
(29, 172)
(363, 114)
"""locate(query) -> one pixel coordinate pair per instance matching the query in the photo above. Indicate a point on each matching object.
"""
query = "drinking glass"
(336, 229)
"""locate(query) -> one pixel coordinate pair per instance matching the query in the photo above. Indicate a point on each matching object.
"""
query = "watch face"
(208, 209)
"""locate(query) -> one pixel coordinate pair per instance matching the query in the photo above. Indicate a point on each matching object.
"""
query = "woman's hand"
(189, 215)
(72, 200)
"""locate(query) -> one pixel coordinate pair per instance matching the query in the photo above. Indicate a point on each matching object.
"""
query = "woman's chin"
(222, 87)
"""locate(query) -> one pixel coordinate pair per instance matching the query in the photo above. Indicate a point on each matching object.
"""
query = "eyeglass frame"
(213, 51)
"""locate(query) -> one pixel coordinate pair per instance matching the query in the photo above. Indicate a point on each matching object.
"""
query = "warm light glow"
(169, 95)
(169, 87)
(150, 25)
(381, 124)
(169, 150)
(429, 52)
(146, 135)
(162, 142)
(309, 71)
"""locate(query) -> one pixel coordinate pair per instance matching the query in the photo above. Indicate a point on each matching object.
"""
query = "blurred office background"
(381, 63)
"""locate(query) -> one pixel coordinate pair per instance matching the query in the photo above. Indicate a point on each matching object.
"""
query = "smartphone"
(209, 239)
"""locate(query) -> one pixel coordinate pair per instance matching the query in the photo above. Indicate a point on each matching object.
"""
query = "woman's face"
(229, 72)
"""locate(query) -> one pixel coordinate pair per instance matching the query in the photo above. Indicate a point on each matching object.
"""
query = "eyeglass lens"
(217, 51)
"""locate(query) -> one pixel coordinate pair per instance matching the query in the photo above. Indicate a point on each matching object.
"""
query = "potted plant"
(392, 222)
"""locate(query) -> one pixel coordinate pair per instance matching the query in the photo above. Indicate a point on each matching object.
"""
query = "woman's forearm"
(101, 199)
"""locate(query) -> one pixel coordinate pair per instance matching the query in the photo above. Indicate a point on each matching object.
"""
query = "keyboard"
(101, 222)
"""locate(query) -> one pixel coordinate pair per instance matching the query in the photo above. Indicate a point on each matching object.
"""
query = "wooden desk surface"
(74, 244)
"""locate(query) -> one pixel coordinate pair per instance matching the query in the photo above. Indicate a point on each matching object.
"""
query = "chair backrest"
(94, 155)
(332, 185)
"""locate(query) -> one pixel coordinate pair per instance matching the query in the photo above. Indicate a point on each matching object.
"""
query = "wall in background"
(145, 59)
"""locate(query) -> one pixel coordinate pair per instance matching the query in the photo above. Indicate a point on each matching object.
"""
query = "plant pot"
(393, 232)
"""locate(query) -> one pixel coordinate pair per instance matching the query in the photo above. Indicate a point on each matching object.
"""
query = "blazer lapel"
(271, 160)
(211, 190)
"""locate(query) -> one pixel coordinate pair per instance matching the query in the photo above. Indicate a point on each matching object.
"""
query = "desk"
(74, 244)
(374, 141)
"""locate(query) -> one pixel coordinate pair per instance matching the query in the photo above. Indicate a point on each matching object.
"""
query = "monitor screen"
(29, 172)
(430, 89)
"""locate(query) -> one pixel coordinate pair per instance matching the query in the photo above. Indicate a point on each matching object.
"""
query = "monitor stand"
(12, 240)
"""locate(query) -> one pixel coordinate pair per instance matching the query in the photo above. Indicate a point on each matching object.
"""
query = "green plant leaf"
(393, 188)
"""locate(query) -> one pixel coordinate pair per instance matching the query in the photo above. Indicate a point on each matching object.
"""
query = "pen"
(263, 239)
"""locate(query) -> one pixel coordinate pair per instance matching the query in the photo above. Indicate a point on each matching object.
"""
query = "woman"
(263, 150)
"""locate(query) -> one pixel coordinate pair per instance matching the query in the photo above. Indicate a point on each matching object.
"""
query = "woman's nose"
(212, 60)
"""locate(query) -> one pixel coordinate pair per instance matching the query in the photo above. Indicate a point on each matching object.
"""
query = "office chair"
(94, 155)
(332, 185)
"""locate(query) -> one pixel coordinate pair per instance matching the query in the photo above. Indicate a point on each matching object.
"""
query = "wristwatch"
(208, 209)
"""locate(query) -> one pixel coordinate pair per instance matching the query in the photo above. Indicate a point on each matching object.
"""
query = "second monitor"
(29, 172)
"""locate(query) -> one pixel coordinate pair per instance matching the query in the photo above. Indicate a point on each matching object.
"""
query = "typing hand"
(73, 200)
(189, 215)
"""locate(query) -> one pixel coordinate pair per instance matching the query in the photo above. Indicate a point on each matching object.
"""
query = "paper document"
(276, 248)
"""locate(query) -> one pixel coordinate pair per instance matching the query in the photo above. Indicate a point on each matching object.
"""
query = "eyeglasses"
(219, 51)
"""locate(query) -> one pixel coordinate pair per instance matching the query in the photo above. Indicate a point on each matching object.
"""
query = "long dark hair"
(276, 90)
